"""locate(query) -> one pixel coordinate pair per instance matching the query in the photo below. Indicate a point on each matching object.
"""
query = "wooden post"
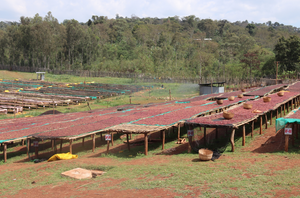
(101, 136)
(252, 129)
(22, 142)
(244, 135)
(287, 106)
(5, 152)
(178, 131)
(205, 141)
(286, 145)
(128, 145)
(112, 138)
(276, 113)
(61, 143)
(52, 143)
(266, 118)
(107, 149)
(271, 117)
(232, 140)
(130, 136)
(260, 131)
(146, 143)
(280, 111)
(28, 147)
(71, 142)
(170, 94)
(94, 142)
(55, 147)
(296, 130)
(163, 139)
(291, 104)
(83, 142)
(217, 133)
(284, 109)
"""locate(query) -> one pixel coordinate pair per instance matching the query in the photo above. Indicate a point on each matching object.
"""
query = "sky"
(258, 11)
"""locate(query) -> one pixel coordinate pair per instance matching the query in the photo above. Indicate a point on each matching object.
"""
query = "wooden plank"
(112, 138)
(146, 143)
(244, 135)
(94, 142)
(70, 146)
(163, 139)
(232, 140)
(128, 144)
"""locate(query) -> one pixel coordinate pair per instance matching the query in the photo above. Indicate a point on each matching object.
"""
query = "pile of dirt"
(50, 112)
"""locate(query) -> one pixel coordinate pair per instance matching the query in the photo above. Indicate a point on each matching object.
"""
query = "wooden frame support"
(112, 138)
(70, 146)
(28, 147)
(5, 152)
(252, 129)
(205, 141)
(266, 124)
(83, 142)
(146, 143)
(107, 148)
(232, 140)
(128, 145)
(271, 117)
(60, 148)
(163, 139)
(55, 146)
(244, 135)
(178, 131)
(260, 125)
(94, 142)
(281, 111)
(284, 109)
(217, 133)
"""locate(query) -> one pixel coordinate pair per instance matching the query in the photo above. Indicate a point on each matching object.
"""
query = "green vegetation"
(171, 47)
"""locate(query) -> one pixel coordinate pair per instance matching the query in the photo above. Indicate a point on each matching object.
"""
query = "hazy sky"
(258, 11)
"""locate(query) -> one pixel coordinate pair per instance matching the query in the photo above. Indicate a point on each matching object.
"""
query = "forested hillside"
(168, 47)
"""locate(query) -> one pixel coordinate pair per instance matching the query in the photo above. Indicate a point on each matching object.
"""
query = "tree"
(250, 28)
(251, 62)
(288, 52)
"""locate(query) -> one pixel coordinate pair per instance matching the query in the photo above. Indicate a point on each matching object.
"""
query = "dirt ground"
(267, 143)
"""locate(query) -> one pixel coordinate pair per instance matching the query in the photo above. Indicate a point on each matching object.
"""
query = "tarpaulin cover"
(281, 122)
